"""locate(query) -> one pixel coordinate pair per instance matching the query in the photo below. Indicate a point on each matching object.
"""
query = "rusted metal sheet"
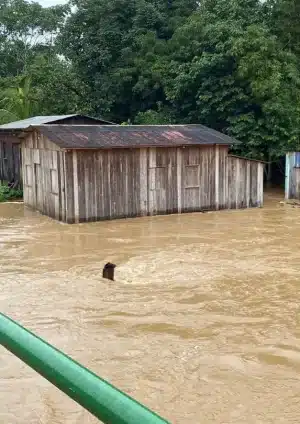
(131, 136)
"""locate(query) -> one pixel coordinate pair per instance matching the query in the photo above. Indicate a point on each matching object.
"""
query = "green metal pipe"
(96, 395)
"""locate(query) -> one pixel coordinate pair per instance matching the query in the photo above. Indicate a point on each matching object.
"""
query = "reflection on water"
(201, 324)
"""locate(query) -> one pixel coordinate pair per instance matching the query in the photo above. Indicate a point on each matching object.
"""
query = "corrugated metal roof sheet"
(36, 120)
(41, 120)
(116, 136)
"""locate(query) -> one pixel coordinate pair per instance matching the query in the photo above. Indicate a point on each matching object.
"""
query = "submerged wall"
(88, 185)
(125, 183)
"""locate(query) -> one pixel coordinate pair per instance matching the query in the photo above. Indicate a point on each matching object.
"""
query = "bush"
(7, 193)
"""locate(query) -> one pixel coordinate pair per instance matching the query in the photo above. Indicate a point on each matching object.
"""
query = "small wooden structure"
(10, 159)
(88, 173)
(10, 154)
(292, 175)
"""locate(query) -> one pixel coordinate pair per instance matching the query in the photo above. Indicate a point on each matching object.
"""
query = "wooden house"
(88, 173)
(10, 154)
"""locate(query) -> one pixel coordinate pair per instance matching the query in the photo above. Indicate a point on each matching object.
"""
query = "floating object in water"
(108, 271)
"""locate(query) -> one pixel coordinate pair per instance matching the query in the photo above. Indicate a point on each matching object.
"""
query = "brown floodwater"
(202, 323)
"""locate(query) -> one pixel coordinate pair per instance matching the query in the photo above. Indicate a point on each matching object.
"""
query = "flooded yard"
(201, 324)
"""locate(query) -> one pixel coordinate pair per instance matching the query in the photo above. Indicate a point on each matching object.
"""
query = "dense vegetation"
(8, 193)
(233, 65)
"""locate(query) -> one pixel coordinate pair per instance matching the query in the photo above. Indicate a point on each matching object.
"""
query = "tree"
(26, 28)
(28, 52)
(159, 116)
(57, 88)
(283, 20)
(114, 46)
(229, 72)
(17, 102)
(230, 64)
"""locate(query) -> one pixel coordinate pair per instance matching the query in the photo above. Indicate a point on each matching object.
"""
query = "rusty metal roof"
(131, 136)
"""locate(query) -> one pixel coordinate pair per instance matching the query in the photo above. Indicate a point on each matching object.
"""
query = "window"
(192, 176)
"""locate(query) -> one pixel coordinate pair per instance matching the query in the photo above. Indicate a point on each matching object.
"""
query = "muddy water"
(202, 323)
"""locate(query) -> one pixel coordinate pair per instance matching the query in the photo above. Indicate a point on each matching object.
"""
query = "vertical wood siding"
(43, 177)
(105, 184)
(10, 161)
(292, 182)
(245, 183)
(89, 185)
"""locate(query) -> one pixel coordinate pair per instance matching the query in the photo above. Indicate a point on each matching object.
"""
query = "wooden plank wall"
(222, 174)
(294, 189)
(88, 185)
(198, 170)
(44, 177)
(10, 162)
(106, 184)
(245, 183)
(295, 184)
(102, 184)
(125, 183)
(292, 177)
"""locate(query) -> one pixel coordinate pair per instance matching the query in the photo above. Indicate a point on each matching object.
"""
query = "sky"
(47, 3)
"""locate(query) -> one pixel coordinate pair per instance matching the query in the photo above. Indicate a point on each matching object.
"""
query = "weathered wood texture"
(10, 148)
(88, 185)
(245, 183)
(44, 177)
(294, 192)
(124, 183)
(10, 160)
(292, 177)
(102, 184)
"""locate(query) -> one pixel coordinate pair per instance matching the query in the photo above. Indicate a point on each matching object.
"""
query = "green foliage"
(17, 102)
(236, 78)
(7, 193)
(162, 115)
(283, 20)
(33, 79)
(115, 48)
(230, 64)
(26, 28)
(57, 88)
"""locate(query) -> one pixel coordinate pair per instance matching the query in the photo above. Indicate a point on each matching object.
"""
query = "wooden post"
(108, 271)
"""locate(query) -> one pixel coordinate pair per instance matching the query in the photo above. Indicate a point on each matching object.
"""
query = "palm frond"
(6, 116)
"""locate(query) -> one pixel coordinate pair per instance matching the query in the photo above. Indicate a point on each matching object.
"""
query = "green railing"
(96, 395)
